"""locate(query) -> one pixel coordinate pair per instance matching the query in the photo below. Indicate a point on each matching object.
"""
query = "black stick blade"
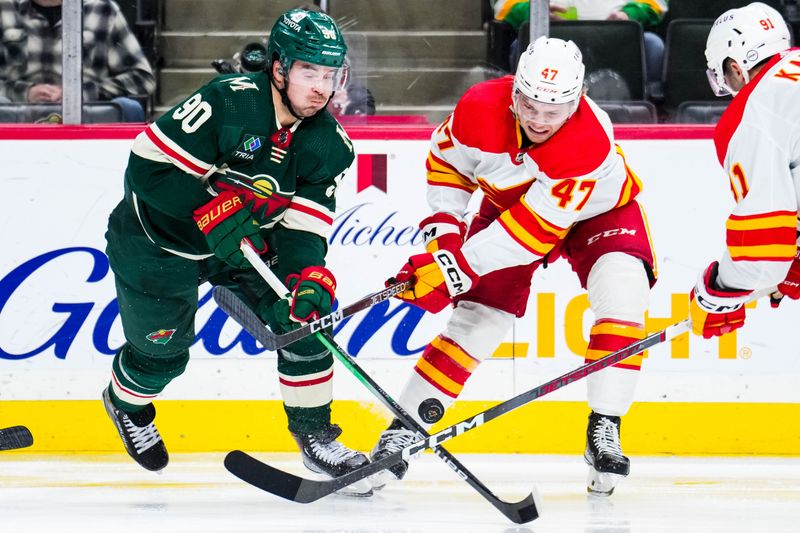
(523, 511)
(246, 317)
(263, 476)
(15, 437)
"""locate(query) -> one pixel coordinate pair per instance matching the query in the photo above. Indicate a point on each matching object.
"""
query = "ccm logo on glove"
(715, 307)
(457, 282)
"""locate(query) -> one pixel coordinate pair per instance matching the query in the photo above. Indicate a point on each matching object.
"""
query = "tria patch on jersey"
(161, 336)
(250, 144)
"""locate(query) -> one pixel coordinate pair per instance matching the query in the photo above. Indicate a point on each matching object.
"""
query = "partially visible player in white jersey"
(554, 184)
(758, 143)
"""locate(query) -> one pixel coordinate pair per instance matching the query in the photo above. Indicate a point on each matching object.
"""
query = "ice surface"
(102, 493)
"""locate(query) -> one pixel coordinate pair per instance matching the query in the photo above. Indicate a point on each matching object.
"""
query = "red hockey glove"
(443, 231)
(791, 285)
(438, 278)
(715, 311)
(225, 222)
(313, 292)
(312, 297)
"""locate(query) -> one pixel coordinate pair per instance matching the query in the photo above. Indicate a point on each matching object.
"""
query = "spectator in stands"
(355, 99)
(647, 12)
(515, 12)
(114, 66)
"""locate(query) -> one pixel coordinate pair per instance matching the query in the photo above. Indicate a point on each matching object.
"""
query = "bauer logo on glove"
(225, 222)
(207, 220)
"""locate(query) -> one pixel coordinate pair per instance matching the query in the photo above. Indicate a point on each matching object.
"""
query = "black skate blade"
(15, 437)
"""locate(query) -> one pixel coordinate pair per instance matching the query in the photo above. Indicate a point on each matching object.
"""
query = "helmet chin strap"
(285, 99)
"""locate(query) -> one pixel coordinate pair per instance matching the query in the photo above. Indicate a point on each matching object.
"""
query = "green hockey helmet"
(306, 36)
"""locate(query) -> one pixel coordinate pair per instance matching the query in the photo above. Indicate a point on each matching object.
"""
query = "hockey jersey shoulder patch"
(483, 119)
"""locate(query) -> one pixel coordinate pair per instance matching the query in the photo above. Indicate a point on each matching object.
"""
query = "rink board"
(59, 326)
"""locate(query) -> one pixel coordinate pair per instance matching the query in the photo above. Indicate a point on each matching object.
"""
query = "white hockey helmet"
(748, 35)
(549, 81)
(550, 71)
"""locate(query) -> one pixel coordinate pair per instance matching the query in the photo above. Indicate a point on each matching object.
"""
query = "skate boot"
(395, 438)
(139, 434)
(324, 455)
(607, 464)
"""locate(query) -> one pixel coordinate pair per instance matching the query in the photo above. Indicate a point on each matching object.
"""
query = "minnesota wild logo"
(161, 336)
(262, 193)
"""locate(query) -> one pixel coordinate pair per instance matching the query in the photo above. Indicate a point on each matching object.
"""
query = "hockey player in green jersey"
(248, 156)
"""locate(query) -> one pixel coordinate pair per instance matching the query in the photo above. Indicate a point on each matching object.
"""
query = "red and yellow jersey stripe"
(446, 366)
(609, 335)
(762, 237)
(443, 174)
(632, 185)
(530, 230)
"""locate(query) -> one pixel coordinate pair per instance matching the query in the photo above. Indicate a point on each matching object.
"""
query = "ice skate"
(607, 464)
(323, 454)
(395, 438)
(139, 434)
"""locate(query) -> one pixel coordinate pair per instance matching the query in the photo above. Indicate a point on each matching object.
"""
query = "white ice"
(110, 494)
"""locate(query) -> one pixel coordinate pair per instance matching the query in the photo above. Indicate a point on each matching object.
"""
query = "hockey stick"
(273, 341)
(304, 490)
(518, 512)
(241, 465)
(15, 437)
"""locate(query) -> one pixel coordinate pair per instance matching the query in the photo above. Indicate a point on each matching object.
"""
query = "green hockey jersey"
(227, 136)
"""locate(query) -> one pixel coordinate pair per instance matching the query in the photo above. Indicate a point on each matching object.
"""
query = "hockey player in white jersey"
(758, 143)
(554, 183)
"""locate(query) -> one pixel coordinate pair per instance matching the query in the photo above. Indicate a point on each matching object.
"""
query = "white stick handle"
(763, 292)
(269, 276)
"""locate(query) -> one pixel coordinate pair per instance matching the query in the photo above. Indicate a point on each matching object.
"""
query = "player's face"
(734, 77)
(539, 120)
(310, 86)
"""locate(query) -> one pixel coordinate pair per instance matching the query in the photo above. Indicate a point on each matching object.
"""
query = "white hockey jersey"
(758, 143)
(539, 190)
